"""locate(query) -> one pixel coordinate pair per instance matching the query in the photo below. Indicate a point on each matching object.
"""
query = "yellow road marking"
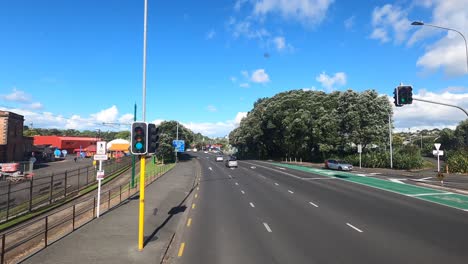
(189, 222)
(181, 249)
(193, 206)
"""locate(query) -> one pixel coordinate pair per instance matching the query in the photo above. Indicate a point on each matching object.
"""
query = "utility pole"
(390, 137)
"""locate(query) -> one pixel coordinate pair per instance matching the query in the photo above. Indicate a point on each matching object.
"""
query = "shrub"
(457, 161)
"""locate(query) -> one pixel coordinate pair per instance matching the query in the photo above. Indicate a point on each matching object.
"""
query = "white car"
(231, 162)
(219, 158)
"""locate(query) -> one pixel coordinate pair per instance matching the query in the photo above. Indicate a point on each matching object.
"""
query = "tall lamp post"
(420, 23)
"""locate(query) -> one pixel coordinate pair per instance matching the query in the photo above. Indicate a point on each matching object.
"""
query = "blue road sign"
(179, 145)
(57, 153)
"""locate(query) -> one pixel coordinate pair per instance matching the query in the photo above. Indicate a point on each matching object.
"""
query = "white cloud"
(36, 106)
(260, 76)
(107, 115)
(309, 89)
(157, 121)
(17, 96)
(210, 34)
(244, 85)
(233, 79)
(349, 22)
(447, 53)
(239, 117)
(390, 18)
(126, 119)
(329, 82)
(211, 108)
(421, 115)
(217, 129)
(245, 74)
(308, 12)
(94, 121)
(280, 43)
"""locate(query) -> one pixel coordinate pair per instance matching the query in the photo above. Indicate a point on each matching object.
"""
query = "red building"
(70, 144)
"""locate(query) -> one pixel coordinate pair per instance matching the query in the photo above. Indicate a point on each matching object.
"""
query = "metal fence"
(23, 241)
(25, 197)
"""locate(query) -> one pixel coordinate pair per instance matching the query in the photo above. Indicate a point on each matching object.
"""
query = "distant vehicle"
(219, 158)
(206, 152)
(338, 165)
(195, 150)
(188, 150)
(231, 162)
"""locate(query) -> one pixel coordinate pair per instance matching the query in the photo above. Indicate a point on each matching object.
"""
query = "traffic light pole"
(456, 106)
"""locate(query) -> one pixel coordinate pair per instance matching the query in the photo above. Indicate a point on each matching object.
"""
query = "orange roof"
(119, 147)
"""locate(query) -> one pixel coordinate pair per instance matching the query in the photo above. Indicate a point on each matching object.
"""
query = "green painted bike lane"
(458, 201)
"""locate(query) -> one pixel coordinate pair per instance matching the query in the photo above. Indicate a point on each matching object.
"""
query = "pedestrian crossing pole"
(141, 222)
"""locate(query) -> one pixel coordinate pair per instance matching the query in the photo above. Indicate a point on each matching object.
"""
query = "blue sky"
(76, 64)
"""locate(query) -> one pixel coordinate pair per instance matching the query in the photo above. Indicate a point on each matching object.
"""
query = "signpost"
(101, 148)
(100, 155)
(438, 153)
(359, 150)
(179, 145)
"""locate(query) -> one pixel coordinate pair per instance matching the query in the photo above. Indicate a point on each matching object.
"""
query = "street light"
(420, 23)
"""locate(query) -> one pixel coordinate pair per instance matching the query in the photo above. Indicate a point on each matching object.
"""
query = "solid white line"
(242, 192)
(267, 227)
(230, 176)
(313, 204)
(251, 204)
(466, 210)
(355, 228)
(290, 191)
(363, 175)
(375, 173)
(276, 184)
(423, 179)
(210, 168)
(397, 181)
(428, 194)
(237, 183)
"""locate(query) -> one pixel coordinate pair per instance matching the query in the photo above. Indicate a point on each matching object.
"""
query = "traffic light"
(403, 95)
(139, 134)
(395, 98)
(153, 138)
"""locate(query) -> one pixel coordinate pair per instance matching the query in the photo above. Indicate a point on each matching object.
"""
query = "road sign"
(179, 145)
(359, 148)
(437, 145)
(100, 157)
(64, 152)
(57, 153)
(100, 175)
(438, 152)
(101, 148)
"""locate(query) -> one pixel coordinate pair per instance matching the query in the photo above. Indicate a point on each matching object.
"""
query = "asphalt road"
(259, 213)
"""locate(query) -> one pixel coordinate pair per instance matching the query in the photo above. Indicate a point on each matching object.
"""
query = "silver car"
(231, 162)
(338, 165)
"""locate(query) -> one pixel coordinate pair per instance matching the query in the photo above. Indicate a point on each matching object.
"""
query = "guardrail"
(25, 197)
(23, 241)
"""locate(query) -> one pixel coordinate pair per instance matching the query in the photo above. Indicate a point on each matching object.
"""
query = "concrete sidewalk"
(113, 238)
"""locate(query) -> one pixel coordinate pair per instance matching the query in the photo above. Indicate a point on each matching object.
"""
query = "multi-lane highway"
(265, 213)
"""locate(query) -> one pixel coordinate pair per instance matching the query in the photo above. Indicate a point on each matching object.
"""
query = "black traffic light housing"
(403, 95)
(139, 134)
(153, 138)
